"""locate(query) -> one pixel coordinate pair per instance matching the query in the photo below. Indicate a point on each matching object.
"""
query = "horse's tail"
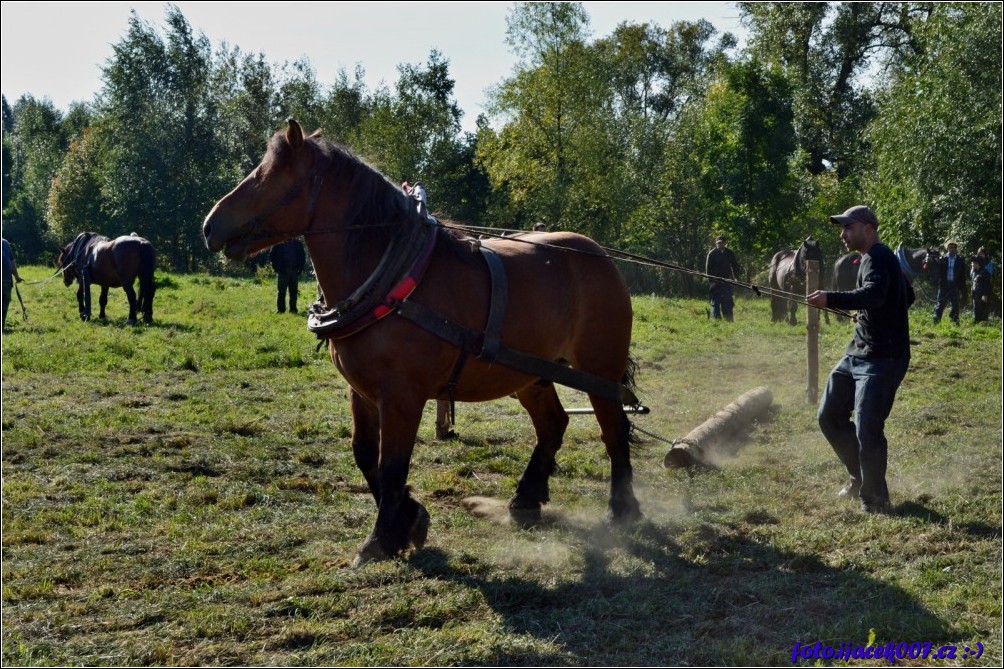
(628, 380)
(630, 373)
(148, 263)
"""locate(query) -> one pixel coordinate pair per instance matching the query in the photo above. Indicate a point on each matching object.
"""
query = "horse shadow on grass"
(722, 595)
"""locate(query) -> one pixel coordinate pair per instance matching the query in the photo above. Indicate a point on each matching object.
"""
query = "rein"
(45, 281)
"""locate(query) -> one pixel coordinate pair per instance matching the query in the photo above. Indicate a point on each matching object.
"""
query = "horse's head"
(63, 262)
(809, 250)
(931, 258)
(275, 201)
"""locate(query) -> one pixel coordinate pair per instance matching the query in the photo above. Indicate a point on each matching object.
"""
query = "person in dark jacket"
(982, 290)
(10, 275)
(866, 379)
(721, 262)
(951, 282)
(288, 260)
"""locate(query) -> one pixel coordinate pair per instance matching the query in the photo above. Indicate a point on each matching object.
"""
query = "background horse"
(845, 275)
(787, 274)
(91, 258)
(915, 262)
(566, 302)
(918, 263)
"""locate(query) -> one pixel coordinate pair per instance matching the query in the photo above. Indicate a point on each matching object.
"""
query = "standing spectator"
(866, 378)
(985, 260)
(10, 275)
(721, 263)
(951, 282)
(418, 192)
(288, 260)
(982, 290)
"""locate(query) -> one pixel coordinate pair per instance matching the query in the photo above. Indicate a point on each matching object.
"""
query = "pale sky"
(56, 50)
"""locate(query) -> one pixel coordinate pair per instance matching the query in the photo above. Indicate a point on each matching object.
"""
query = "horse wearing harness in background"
(787, 275)
(117, 263)
(918, 262)
(413, 312)
(914, 263)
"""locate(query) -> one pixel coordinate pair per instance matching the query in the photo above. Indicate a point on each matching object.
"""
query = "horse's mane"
(76, 249)
(377, 203)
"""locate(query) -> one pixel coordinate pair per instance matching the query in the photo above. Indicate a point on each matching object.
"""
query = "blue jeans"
(868, 388)
(721, 301)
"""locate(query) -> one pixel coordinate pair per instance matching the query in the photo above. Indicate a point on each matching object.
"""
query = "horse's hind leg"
(549, 422)
(102, 302)
(616, 433)
(146, 301)
(130, 293)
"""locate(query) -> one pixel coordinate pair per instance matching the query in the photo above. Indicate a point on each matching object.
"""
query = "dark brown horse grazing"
(565, 302)
(91, 258)
(787, 274)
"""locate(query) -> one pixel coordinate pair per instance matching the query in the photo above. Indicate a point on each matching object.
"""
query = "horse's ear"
(317, 134)
(294, 134)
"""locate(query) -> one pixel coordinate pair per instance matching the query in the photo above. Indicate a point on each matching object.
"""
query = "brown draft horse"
(567, 302)
(117, 263)
(787, 274)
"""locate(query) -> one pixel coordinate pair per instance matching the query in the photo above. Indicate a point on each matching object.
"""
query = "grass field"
(184, 494)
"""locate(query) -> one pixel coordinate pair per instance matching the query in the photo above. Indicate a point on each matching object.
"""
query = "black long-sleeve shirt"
(882, 298)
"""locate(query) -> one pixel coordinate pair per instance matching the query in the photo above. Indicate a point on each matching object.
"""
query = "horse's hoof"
(624, 517)
(419, 531)
(370, 551)
(523, 514)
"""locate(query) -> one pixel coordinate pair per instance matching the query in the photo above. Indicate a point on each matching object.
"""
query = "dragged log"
(700, 445)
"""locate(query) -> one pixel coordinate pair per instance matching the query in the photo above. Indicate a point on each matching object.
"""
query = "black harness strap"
(471, 340)
(491, 340)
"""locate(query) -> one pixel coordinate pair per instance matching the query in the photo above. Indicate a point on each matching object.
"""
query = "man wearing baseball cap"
(721, 263)
(867, 377)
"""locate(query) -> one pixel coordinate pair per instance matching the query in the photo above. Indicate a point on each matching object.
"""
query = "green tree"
(164, 163)
(414, 133)
(937, 137)
(825, 50)
(75, 199)
(547, 108)
(33, 143)
(743, 144)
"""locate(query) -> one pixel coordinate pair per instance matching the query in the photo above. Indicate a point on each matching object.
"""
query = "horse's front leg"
(102, 302)
(131, 294)
(84, 300)
(366, 440)
(400, 519)
(549, 422)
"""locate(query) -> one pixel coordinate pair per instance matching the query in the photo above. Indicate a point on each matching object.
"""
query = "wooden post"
(812, 332)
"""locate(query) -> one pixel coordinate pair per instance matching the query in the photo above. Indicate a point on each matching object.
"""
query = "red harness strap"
(333, 324)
